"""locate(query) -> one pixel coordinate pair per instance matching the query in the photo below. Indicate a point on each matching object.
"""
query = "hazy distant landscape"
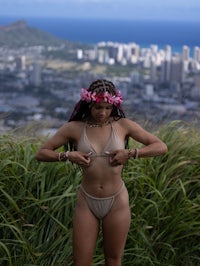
(142, 32)
(41, 76)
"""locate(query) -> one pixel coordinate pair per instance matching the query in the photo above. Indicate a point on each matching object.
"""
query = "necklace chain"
(98, 125)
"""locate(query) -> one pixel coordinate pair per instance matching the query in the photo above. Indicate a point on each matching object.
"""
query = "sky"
(173, 10)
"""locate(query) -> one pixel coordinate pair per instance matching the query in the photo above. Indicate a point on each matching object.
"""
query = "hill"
(20, 34)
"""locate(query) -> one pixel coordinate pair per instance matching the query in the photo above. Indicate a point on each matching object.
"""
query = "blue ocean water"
(143, 33)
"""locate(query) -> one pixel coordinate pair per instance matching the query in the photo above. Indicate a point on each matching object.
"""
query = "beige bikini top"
(114, 143)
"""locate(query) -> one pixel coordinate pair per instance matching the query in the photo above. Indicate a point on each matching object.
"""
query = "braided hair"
(82, 109)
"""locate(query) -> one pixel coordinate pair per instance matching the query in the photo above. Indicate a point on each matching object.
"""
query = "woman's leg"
(85, 233)
(115, 229)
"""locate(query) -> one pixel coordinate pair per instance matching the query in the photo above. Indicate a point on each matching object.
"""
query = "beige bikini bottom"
(100, 207)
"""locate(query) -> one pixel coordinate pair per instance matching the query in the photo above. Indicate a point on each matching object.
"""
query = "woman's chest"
(100, 140)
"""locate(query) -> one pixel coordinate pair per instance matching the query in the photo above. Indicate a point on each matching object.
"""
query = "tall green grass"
(37, 202)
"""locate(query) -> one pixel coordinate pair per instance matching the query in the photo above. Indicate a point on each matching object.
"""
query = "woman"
(97, 134)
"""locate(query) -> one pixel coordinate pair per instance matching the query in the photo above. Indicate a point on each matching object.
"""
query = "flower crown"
(90, 96)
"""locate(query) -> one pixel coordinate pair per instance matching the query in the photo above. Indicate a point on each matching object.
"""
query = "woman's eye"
(100, 107)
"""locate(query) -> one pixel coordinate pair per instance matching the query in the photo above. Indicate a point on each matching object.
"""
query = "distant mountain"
(19, 34)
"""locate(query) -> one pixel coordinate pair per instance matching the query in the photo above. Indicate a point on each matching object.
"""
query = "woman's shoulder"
(72, 126)
(71, 130)
(76, 123)
(127, 125)
(124, 121)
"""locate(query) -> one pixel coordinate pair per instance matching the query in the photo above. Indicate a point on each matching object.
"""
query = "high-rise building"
(185, 60)
(196, 56)
(176, 74)
(168, 53)
(166, 65)
(35, 77)
(120, 53)
(153, 70)
(20, 63)
(133, 53)
(185, 53)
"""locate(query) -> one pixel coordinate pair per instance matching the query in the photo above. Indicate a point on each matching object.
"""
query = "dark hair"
(82, 109)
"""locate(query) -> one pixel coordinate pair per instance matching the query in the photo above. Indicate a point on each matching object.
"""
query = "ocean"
(144, 33)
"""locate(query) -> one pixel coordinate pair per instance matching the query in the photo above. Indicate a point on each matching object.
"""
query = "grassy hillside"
(37, 202)
(20, 34)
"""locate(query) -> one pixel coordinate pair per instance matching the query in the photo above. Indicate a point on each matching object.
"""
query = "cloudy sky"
(110, 9)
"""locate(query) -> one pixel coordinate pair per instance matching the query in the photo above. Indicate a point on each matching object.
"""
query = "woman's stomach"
(100, 178)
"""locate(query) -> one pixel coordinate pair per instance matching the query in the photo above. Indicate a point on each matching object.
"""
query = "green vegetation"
(37, 202)
(20, 34)
(120, 71)
(27, 37)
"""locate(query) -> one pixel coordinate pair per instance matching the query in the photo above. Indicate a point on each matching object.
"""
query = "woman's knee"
(82, 262)
(113, 260)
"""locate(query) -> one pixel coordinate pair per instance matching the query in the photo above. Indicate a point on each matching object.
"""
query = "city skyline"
(171, 10)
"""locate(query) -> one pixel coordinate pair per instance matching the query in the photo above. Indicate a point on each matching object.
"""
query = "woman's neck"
(91, 123)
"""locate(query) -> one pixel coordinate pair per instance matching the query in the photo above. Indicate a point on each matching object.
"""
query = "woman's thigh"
(116, 226)
(85, 233)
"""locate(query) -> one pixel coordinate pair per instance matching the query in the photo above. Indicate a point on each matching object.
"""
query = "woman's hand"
(118, 157)
(80, 158)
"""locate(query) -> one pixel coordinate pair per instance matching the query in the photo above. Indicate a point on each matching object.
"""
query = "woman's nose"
(103, 111)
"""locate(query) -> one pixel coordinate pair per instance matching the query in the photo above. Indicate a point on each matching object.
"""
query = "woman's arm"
(47, 153)
(152, 145)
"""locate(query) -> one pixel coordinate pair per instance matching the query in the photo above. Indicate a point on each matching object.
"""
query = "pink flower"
(93, 96)
(89, 96)
(85, 95)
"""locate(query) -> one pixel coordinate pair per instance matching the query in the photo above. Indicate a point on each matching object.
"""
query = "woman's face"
(101, 112)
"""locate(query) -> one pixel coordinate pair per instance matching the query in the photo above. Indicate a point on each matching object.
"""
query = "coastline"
(143, 33)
